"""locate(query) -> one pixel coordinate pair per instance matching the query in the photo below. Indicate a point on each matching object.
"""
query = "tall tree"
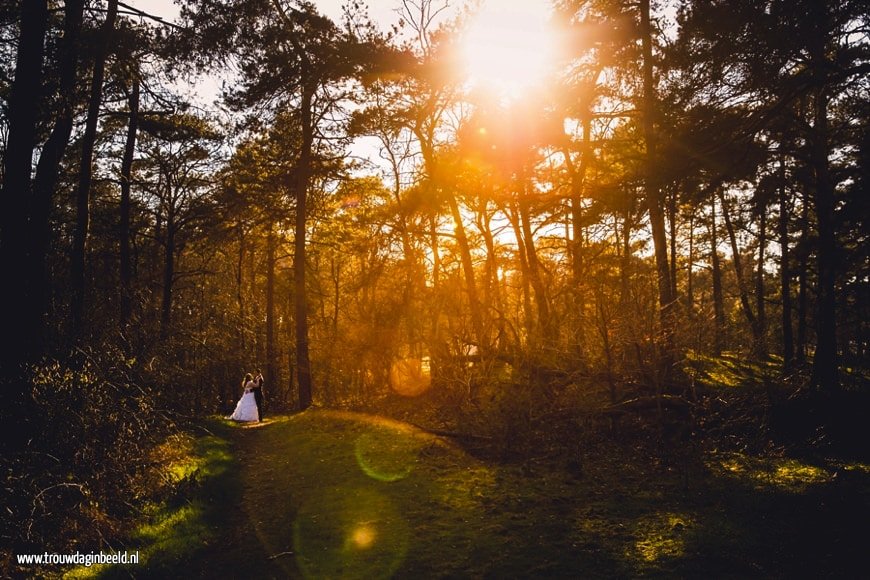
(179, 153)
(51, 156)
(292, 59)
(124, 212)
(83, 191)
(785, 270)
(18, 311)
(654, 192)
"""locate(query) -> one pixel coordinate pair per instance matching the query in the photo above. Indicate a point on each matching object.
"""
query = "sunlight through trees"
(495, 213)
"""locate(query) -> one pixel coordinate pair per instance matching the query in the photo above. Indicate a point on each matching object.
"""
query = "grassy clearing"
(340, 495)
(327, 494)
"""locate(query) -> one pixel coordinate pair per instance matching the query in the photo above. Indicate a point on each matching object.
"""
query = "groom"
(258, 393)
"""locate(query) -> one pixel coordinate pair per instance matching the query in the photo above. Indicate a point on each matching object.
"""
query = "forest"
(590, 245)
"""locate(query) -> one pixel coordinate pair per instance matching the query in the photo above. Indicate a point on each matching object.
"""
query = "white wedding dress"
(246, 408)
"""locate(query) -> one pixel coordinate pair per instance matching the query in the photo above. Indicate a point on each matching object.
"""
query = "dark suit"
(258, 396)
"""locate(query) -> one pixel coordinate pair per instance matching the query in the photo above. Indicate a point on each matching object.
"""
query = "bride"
(246, 408)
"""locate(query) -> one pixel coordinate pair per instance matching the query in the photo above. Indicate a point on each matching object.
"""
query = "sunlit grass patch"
(213, 455)
(174, 459)
(728, 370)
(349, 534)
(465, 489)
(172, 530)
(661, 536)
(857, 467)
(782, 473)
(387, 454)
(174, 525)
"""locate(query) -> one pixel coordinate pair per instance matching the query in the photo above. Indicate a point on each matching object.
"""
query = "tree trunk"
(578, 186)
(654, 198)
(513, 217)
(83, 192)
(168, 277)
(271, 362)
(303, 363)
(746, 306)
(625, 259)
(19, 308)
(534, 270)
(604, 332)
(803, 285)
(690, 273)
(672, 222)
(435, 314)
(124, 225)
(760, 309)
(785, 274)
(825, 375)
(48, 168)
(718, 301)
(240, 288)
(492, 287)
(468, 270)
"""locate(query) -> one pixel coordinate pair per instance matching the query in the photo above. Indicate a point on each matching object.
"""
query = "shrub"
(93, 424)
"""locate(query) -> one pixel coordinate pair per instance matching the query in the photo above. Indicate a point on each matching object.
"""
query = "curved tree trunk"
(124, 224)
(468, 270)
(746, 306)
(83, 192)
(50, 158)
(534, 269)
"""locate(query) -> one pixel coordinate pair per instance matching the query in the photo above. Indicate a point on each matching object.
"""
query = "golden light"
(508, 45)
(411, 377)
(363, 537)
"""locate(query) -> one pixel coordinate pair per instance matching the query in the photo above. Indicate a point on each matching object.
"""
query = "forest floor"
(331, 494)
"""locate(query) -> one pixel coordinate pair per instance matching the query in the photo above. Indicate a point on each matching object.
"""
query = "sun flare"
(508, 45)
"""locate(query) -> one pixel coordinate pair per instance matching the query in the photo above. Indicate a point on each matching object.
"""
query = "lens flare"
(387, 454)
(349, 533)
(363, 537)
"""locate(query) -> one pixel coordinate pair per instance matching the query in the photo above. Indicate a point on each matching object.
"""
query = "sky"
(500, 46)
(382, 11)
(206, 88)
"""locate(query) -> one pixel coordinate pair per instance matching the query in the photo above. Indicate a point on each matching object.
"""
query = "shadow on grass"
(196, 528)
(325, 494)
(431, 510)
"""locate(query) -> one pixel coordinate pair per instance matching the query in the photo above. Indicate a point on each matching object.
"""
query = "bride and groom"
(250, 406)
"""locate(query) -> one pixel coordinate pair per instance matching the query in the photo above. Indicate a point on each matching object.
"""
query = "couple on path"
(250, 406)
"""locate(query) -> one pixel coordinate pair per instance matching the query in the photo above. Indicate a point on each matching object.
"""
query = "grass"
(195, 526)
(327, 494)
(730, 370)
